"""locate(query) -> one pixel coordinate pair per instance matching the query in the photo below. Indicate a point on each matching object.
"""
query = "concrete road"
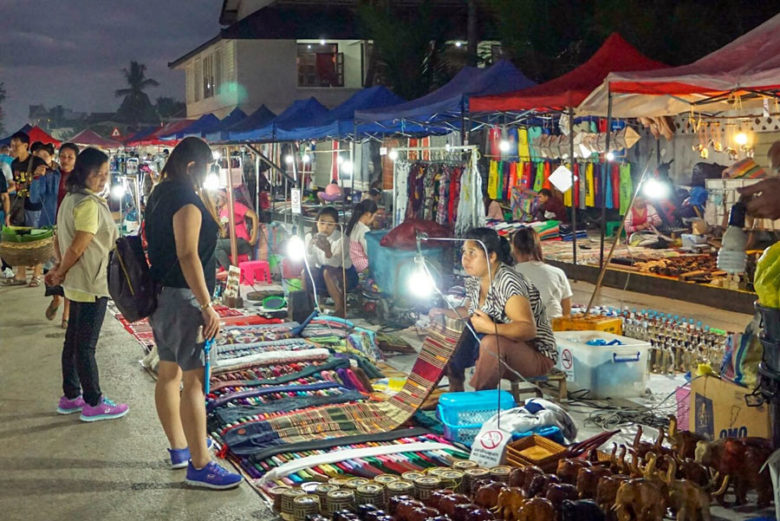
(55, 467)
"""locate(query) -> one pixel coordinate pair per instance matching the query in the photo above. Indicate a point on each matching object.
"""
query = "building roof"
(333, 20)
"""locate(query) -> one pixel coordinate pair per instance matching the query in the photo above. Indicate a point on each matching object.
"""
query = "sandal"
(34, 282)
(15, 282)
(64, 323)
(51, 311)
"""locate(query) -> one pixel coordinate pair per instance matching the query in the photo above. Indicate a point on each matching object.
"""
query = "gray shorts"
(176, 325)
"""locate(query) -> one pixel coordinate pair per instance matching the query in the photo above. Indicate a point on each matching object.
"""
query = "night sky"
(72, 52)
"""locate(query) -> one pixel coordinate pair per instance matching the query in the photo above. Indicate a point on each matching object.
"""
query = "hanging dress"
(539, 179)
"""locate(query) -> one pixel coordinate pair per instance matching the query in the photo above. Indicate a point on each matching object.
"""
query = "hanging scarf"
(626, 187)
(590, 194)
(493, 180)
(523, 148)
(539, 179)
(547, 171)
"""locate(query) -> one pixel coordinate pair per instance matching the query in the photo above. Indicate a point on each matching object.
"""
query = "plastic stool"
(255, 270)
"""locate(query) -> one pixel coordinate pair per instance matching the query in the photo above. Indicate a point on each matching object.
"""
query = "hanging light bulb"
(339, 159)
(216, 155)
(741, 139)
(347, 166)
(288, 159)
(393, 154)
(322, 41)
(306, 158)
(655, 189)
(610, 156)
(118, 191)
(296, 248)
(211, 182)
(503, 145)
(458, 44)
(420, 283)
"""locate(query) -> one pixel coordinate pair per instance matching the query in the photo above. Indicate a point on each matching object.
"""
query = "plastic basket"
(464, 413)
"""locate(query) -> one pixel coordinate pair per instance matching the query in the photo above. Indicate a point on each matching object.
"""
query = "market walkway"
(57, 468)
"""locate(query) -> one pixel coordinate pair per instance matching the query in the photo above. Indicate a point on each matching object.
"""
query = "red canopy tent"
(616, 54)
(748, 66)
(90, 138)
(169, 128)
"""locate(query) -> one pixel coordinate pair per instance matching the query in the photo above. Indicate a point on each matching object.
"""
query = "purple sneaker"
(67, 406)
(105, 410)
(212, 476)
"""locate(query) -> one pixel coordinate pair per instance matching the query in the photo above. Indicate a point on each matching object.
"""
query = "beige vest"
(90, 273)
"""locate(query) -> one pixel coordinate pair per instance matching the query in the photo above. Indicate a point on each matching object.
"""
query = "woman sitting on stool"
(507, 314)
(328, 257)
(551, 282)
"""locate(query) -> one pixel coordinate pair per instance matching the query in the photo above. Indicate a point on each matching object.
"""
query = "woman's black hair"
(493, 242)
(526, 241)
(546, 192)
(88, 161)
(37, 145)
(363, 207)
(71, 146)
(190, 149)
(328, 210)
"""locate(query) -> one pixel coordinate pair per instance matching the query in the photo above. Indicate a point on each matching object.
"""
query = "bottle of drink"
(732, 257)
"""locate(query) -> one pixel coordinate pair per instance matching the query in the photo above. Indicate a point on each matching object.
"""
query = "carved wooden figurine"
(568, 468)
(487, 494)
(557, 493)
(688, 500)
(740, 459)
(683, 442)
(606, 491)
(538, 509)
(588, 480)
(510, 500)
(639, 500)
(581, 510)
(539, 484)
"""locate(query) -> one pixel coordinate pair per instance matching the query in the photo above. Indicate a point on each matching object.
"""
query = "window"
(320, 65)
(218, 79)
(198, 80)
(208, 76)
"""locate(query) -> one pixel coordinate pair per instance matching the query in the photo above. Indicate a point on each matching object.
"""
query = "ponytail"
(363, 207)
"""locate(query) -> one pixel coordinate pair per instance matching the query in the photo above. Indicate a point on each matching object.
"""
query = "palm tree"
(136, 107)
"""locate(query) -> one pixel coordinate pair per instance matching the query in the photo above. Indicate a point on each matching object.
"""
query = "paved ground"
(55, 467)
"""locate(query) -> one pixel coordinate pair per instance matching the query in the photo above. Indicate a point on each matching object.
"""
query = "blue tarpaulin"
(219, 131)
(197, 128)
(7, 140)
(339, 123)
(300, 113)
(450, 102)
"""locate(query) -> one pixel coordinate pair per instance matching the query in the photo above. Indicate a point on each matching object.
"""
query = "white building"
(274, 52)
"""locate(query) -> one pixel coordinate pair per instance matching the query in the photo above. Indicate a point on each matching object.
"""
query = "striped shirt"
(506, 284)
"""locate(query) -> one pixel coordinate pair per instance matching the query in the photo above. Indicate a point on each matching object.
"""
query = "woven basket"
(27, 253)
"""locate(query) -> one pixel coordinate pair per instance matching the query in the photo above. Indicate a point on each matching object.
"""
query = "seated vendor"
(246, 237)
(551, 281)
(329, 259)
(493, 211)
(507, 314)
(362, 216)
(641, 217)
(550, 207)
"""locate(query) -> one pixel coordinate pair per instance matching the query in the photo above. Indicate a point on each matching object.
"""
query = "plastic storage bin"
(464, 413)
(609, 371)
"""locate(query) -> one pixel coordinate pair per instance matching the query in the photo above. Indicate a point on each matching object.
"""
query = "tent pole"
(231, 210)
(573, 187)
(604, 182)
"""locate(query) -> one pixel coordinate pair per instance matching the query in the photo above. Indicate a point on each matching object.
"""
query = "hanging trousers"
(79, 368)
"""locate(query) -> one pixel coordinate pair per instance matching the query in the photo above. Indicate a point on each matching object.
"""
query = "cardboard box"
(579, 322)
(718, 410)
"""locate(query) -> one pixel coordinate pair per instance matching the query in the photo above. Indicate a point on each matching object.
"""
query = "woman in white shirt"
(327, 252)
(551, 282)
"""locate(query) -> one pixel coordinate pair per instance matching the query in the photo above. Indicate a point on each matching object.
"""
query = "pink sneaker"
(67, 406)
(105, 410)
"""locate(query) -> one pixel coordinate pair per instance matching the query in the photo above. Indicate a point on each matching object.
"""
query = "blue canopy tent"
(197, 128)
(300, 113)
(7, 140)
(339, 123)
(141, 134)
(448, 105)
(219, 131)
(257, 119)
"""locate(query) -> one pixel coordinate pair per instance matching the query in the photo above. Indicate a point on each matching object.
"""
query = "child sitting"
(329, 259)
(360, 223)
